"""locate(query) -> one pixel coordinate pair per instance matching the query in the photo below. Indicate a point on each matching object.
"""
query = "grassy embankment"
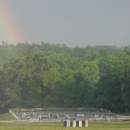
(6, 116)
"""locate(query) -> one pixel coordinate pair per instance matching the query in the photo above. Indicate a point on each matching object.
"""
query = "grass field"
(59, 126)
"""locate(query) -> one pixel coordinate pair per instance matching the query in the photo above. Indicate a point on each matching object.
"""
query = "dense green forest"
(54, 75)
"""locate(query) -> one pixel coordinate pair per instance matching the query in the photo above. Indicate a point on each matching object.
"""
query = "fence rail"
(60, 109)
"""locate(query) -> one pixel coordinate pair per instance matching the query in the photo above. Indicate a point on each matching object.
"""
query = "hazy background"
(72, 22)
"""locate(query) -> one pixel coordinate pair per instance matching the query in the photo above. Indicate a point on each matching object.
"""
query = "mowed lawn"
(59, 126)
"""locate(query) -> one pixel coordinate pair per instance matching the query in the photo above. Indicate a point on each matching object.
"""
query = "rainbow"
(8, 25)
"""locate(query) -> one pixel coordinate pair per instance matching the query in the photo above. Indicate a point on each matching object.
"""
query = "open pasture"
(59, 126)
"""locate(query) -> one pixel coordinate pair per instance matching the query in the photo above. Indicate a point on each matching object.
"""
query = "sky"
(71, 22)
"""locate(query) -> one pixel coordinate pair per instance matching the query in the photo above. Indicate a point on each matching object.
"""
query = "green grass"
(6, 116)
(59, 126)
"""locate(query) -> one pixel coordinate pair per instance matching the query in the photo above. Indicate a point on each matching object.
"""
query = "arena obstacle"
(74, 123)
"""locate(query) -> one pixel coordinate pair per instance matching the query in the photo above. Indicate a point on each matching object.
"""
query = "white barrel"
(85, 123)
(67, 123)
(78, 123)
(73, 123)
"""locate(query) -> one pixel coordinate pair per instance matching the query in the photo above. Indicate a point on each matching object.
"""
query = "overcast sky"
(72, 22)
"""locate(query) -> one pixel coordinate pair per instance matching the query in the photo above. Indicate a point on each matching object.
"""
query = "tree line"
(54, 75)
